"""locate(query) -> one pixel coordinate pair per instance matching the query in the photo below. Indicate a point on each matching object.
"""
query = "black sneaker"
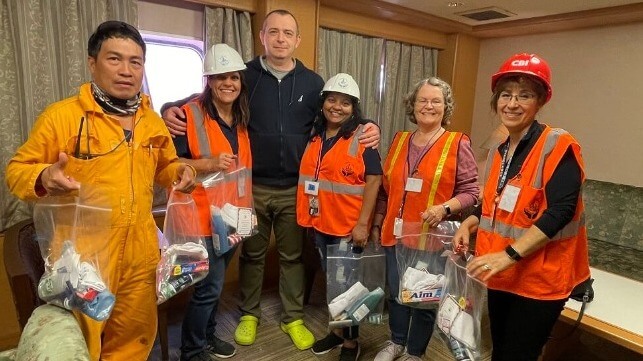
(220, 348)
(349, 354)
(201, 356)
(326, 344)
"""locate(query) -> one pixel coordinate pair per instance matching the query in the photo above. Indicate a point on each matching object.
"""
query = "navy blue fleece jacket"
(281, 119)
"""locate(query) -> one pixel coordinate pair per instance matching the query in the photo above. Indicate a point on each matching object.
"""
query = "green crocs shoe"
(299, 334)
(246, 331)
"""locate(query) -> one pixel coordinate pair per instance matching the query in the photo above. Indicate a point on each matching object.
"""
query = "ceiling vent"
(484, 14)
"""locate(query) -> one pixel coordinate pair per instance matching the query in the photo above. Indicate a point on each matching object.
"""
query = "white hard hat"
(220, 59)
(342, 83)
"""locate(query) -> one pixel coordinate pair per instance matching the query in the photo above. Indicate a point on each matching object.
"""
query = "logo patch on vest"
(347, 170)
(531, 211)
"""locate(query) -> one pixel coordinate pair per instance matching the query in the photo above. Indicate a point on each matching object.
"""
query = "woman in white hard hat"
(431, 173)
(216, 139)
(338, 184)
(531, 242)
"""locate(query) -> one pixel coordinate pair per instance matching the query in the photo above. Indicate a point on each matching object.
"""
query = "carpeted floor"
(273, 344)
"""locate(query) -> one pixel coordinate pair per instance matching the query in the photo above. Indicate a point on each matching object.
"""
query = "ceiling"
(517, 9)
(526, 16)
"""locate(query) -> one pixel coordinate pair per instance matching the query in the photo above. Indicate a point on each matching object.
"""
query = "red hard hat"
(530, 64)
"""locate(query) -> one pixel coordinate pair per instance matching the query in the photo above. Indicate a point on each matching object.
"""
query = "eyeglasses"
(434, 102)
(522, 98)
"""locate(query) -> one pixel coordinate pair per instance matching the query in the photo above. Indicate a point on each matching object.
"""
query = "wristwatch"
(447, 209)
(511, 252)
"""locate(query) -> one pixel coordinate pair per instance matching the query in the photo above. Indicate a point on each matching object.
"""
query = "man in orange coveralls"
(108, 137)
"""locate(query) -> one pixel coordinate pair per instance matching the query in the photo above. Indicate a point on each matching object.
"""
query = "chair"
(25, 266)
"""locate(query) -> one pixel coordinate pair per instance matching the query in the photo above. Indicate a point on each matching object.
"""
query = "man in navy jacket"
(284, 99)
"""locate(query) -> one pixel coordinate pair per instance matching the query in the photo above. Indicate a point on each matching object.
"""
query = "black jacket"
(281, 119)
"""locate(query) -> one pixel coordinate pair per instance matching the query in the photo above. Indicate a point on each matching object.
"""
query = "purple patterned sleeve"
(466, 179)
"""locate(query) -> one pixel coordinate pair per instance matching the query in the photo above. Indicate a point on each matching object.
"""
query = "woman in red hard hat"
(531, 243)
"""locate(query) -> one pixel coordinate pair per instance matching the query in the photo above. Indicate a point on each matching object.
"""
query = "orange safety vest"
(437, 169)
(206, 140)
(551, 272)
(341, 178)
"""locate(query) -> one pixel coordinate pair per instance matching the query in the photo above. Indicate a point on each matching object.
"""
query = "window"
(173, 68)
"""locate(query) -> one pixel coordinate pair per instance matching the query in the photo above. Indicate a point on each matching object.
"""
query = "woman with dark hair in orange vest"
(216, 139)
(430, 174)
(531, 243)
(338, 183)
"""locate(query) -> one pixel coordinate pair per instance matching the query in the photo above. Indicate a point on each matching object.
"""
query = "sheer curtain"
(223, 25)
(405, 65)
(357, 55)
(43, 57)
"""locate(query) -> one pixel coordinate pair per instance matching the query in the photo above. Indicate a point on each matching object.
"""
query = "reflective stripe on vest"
(434, 185)
(400, 143)
(354, 146)
(201, 132)
(514, 232)
(339, 188)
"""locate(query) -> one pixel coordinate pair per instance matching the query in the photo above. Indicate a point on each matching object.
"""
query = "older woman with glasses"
(531, 243)
(427, 164)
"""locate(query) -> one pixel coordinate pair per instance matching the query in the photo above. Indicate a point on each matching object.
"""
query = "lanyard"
(504, 169)
(411, 171)
(425, 150)
(321, 155)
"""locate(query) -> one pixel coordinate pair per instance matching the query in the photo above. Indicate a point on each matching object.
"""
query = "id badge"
(244, 222)
(313, 206)
(413, 185)
(311, 188)
(509, 198)
(397, 227)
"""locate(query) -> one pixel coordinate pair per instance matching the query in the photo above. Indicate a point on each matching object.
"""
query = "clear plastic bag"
(460, 313)
(355, 278)
(184, 261)
(73, 234)
(232, 212)
(420, 260)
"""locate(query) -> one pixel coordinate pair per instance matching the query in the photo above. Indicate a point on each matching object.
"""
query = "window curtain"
(223, 25)
(382, 92)
(405, 65)
(43, 57)
(359, 56)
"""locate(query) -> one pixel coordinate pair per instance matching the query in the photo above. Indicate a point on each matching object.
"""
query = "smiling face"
(517, 106)
(118, 67)
(279, 36)
(428, 108)
(337, 109)
(225, 87)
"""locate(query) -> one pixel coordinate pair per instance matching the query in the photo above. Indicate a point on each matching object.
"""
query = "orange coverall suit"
(123, 171)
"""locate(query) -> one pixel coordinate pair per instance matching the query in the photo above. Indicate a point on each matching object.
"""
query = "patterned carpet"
(273, 344)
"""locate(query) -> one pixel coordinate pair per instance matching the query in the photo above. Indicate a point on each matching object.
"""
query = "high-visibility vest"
(341, 178)
(551, 272)
(206, 140)
(437, 169)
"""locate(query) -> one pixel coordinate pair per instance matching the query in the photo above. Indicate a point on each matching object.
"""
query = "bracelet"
(192, 168)
(378, 227)
(512, 253)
